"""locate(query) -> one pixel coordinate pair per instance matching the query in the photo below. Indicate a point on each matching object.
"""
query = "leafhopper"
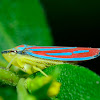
(31, 59)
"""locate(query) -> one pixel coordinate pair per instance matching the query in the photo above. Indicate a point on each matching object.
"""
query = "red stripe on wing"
(92, 52)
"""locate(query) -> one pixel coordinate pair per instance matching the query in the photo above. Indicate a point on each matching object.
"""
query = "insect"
(31, 59)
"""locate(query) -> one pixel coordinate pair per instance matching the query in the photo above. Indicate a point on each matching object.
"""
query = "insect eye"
(14, 51)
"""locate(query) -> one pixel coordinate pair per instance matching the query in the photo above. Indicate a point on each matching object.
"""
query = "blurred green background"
(23, 23)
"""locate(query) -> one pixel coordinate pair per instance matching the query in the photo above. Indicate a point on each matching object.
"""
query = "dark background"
(75, 23)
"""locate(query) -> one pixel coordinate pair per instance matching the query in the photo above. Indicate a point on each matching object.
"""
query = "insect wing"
(63, 53)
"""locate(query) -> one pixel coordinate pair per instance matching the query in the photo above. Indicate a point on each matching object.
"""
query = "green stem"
(22, 92)
(8, 77)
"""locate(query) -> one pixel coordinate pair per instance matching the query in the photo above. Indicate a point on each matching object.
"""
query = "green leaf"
(23, 22)
(78, 83)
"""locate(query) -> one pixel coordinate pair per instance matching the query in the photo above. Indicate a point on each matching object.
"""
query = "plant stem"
(8, 77)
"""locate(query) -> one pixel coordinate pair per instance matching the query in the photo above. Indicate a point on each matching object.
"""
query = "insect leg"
(23, 65)
(10, 64)
(38, 69)
(29, 66)
(28, 69)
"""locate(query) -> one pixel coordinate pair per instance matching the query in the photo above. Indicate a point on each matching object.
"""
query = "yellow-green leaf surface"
(78, 83)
